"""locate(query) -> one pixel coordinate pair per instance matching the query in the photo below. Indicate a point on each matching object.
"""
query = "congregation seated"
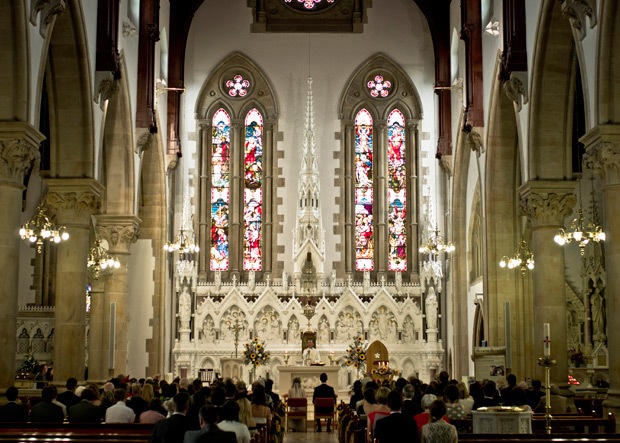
(85, 411)
(438, 430)
(173, 428)
(411, 406)
(153, 413)
(559, 403)
(209, 429)
(229, 421)
(465, 399)
(491, 397)
(119, 412)
(13, 411)
(46, 410)
(454, 410)
(136, 403)
(69, 398)
(260, 411)
(245, 413)
(424, 417)
(396, 426)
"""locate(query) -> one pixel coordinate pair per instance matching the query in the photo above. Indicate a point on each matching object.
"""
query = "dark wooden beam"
(514, 57)
(107, 58)
(181, 16)
(148, 33)
(471, 33)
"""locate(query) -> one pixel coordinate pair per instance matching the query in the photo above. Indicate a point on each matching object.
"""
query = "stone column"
(18, 152)
(547, 203)
(97, 356)
(603, 155)
(72, 201)
(120, 231)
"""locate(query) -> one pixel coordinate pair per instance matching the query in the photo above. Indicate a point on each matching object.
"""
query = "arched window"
(381, 112)
(364, 240)
(253, 192)
(397, 192)
(220, 190)
(237, 116)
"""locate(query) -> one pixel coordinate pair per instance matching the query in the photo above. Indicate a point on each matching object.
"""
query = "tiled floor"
(311, 437)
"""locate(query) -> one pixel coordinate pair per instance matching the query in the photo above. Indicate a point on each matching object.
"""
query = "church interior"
(183, 180)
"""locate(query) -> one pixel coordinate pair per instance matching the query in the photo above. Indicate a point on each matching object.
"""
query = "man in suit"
(209, 431)
(559, 403)
(68, 398)
(173, 429)
(85, 411)
(136, 402)
(323, 391)
(505, 393)
(13, 411)
(45, 410)
(396, 426)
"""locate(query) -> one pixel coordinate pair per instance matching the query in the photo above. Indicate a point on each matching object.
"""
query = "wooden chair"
(301, 411)
(325, 403)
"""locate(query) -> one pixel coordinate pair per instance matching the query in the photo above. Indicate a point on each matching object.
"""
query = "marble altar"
(309, 377)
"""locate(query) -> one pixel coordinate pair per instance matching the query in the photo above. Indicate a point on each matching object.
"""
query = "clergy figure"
(311, 354)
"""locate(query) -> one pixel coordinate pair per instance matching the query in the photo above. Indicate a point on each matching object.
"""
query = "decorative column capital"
(19, 150)
(73, 200)
(603, 152)
(120, 231)
(547, 203)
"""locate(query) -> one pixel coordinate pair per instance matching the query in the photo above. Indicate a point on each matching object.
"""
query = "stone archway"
(608, 93)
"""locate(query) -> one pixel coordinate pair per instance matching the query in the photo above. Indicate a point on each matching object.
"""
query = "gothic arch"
(608, 93)
(474, 244)
(68, 84)
(400, 94)
(215, 94)
(14, 61)
(551, 102)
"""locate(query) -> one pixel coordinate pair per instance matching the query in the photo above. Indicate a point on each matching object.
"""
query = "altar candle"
(285, 352)
(547, 339)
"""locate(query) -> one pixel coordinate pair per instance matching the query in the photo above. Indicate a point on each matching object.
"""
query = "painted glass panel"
(220, 166)
(397, 192)
(364, 229)
(253, 197)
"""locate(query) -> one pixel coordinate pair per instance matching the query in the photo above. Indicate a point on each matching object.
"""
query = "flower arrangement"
(384, 370)
(356, 354)
(255, 353)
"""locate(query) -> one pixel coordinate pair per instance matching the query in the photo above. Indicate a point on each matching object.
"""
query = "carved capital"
(106, 86)
(576, 11)
(129, 29)
(144, 142)
(515, 88)
(19, 151)
(547, 203)
(603, 152)
(119, 231)
(73, 200)
(48, 10)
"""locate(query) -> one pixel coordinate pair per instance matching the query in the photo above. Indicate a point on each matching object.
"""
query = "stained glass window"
(379, 86)
(220, 166)
(238, 86)
(397, 192)
(309, 4)
(364, 238)
(252, 192)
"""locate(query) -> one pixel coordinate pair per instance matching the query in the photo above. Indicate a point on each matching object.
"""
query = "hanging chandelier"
(100, 261)
(582, 230)
(184, 243)
(40, 228)
(522, 258)
(436, 244)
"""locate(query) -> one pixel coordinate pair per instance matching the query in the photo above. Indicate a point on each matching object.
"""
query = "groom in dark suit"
(323, 391)
(396, 426)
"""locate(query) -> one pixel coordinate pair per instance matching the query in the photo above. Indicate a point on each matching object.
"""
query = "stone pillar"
(120, 231)
(97, 356)
(603, 155)
(18, 152)
(547, 203)
(72, 201)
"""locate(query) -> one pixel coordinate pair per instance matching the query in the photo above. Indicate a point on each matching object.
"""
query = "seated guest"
(506, 392)
(323, 391)
(357, 394)
(275, 398)
(558, 402)
(137, 404)
(490, 394)
(245, 414)
(119, 412)
(475, 390)
(46, 410)
(56, 402)
(148, 393)
(396, 426)
(423, 418)
(518, 399)
(69, 398)
(260, 411)
(381, 410)
(369, 403)
(451, 397)
(13, 411)
(229, 421)
(464, 399)
(173, 428)
(209, 432)
(296, 391)
(199, 400)
(85, 411)
(153, 413)
(437, 430)
(242, 389)
(535, 394)
(107, 396)
(410, 407)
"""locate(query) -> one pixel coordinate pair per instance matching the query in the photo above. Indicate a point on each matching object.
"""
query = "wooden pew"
(539, 438)
(76, 432)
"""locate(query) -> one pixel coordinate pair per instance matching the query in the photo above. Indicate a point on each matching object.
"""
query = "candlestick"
(547, 339)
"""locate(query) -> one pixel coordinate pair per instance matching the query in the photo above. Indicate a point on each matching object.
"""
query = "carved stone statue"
(208, 330)
(293, 330)
(408, 330)
(323, 331)
(431, 309)
(185, 308)
(598, 316)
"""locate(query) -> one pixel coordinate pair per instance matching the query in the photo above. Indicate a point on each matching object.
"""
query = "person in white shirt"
(119, 412)
(311, 354)
(229, 421)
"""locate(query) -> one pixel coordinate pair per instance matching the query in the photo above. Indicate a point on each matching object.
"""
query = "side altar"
(309, 377)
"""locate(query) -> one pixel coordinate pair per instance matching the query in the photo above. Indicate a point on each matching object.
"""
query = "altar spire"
(308, 235)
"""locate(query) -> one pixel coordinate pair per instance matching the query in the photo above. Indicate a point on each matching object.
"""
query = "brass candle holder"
(547, 362)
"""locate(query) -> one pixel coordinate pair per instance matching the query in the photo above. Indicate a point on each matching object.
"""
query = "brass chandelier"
(100, 261)
(522, 259)
(185, 243)
(40, 228)
(436, 243)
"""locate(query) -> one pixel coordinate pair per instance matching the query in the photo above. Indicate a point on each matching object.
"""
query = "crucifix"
(235, 328)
